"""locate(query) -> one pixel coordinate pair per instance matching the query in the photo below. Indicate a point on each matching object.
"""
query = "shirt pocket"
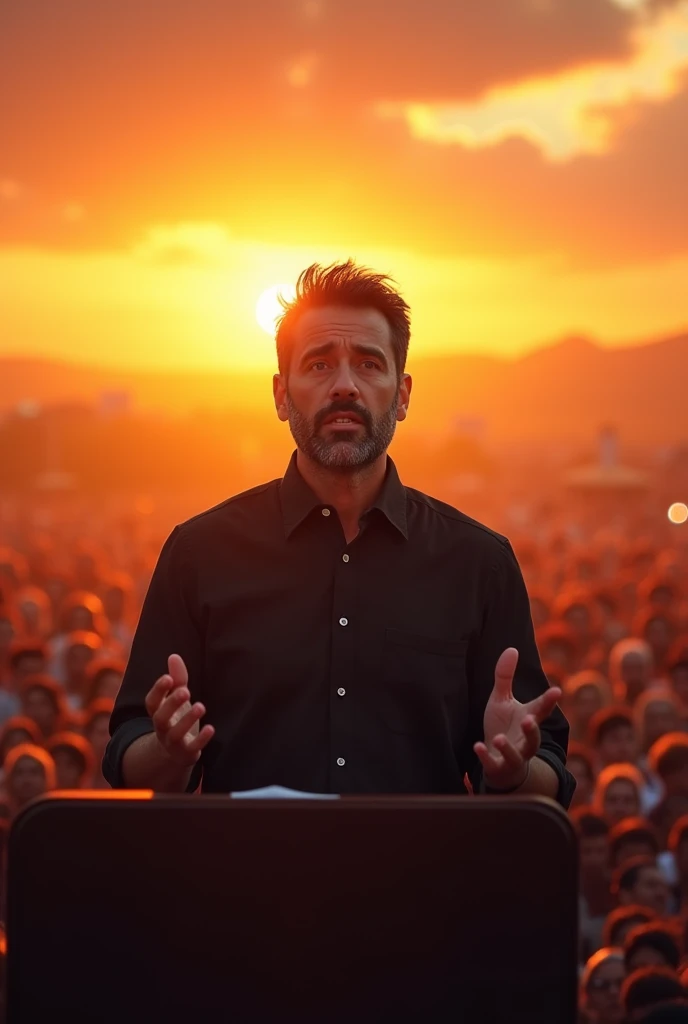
(424, 683)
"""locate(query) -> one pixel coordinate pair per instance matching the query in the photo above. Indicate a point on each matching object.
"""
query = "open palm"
(511, 729)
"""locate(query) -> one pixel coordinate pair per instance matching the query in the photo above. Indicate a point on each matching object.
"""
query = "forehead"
(341, 325)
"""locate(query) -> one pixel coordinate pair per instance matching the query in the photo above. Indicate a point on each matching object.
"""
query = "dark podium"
(132, 908)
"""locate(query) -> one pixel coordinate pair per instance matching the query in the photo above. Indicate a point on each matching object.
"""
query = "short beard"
(337, 455)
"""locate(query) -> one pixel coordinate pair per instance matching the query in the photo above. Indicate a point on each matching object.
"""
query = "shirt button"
(341, 762)
(343, 622)
(326, 511)
(345, 558)
(341, 691)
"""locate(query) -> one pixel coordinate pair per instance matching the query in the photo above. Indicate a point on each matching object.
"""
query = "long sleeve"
(169, 624)
(506, 623)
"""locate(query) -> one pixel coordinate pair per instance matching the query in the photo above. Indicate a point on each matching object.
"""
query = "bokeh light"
(678, 512)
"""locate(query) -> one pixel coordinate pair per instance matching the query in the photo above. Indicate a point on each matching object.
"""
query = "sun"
(268, 307)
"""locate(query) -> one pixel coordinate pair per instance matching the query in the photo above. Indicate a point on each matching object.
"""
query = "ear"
(404, 396)
(279, 391)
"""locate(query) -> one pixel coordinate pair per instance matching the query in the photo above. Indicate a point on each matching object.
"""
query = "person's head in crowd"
(659, 630)
(657, 711)
(43, 701)
(650, 987)
(581, 763)
(25, 658)
(17, 729)
(674, 1012)
(57, 587)
(677, 668)
(641, 881)
(678, 846)
(592, 833)
(14, 569)
(668, 758)
(585, 694)
(557, 645)
(574, 608)
(82, 612)
(617, 793)
(540, 606)
(103, 679)
(608, 610)
(600, 986)
(96, 726)
(9, 631)
(35, 612)
(81, 648)
(117, 595)
(29, 773)
(657, 944)
(74, 760)
(630, 838)
(622, 920)
(631, 668)
(659, 592)
(613, 736)
(88, 567)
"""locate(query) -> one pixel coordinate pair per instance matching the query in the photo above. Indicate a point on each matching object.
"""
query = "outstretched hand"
(511, 729)
(175, 719)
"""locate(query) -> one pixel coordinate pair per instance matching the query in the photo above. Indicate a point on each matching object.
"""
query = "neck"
(350, 493)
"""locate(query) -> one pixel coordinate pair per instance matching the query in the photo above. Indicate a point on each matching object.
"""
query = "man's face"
(603, 995)
(28, 780)
(651, 890)
(68, 771)
(28, 665)
(620, 801)
(647, 956)
(341, 367)
(593, 856)
(619, 746)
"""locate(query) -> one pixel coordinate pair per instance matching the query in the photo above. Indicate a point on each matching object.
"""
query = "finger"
(492, 763)
(201, 741)
(157, 694)
(513, 758)
(164, 716)
(531, 732)
(179, 729)
(545, 704)
(177, 669)
(504, 672)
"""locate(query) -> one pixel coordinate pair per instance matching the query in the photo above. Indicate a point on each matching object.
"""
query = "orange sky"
(518, 165)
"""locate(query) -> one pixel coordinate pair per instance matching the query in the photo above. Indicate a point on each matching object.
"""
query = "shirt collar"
(298, 500)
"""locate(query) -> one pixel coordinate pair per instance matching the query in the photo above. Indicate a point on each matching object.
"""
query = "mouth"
(343, 423)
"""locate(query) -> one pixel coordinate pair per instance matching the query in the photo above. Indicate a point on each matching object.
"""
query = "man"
(640, 881)
(342, 633)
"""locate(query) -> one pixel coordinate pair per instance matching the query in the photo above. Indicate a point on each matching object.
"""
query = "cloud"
(569, 113)
(185, 245)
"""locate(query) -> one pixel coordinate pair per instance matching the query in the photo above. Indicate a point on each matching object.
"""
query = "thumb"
(504, 673)
(177, 669)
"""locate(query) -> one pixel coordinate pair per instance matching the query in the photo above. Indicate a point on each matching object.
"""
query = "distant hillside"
(564, 391)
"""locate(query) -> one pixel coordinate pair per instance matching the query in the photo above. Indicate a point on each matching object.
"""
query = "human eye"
(370, 364)
(319, 364)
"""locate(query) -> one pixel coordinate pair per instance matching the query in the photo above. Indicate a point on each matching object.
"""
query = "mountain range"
(565, 391)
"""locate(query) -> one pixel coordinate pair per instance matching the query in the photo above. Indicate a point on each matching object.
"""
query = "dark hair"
(77, 747)
(345, 284)
(18, 723)
(649, 986)
(621, 916)
(669, 754)
(584, 754)
(606, 720)
(587, 824)
(26, 648)
(630, 830)
(673, 1012)
(655, 935)
(626, 876)
(678, 833)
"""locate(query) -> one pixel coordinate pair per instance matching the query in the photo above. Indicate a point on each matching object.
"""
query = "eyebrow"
(361, 349)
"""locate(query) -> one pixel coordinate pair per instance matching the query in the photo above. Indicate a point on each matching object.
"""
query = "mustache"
(340, 409)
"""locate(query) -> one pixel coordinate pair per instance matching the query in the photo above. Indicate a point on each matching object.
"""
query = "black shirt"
(334, 667)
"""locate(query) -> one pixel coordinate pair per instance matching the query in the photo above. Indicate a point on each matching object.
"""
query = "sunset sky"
(519, 166)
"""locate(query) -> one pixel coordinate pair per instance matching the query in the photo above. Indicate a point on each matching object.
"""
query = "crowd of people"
(611, 616)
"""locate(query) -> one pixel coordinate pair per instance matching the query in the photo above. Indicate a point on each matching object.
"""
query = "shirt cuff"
(567, 782)
(123, 736)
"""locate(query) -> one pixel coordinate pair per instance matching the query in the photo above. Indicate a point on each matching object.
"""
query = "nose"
(344, 385)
